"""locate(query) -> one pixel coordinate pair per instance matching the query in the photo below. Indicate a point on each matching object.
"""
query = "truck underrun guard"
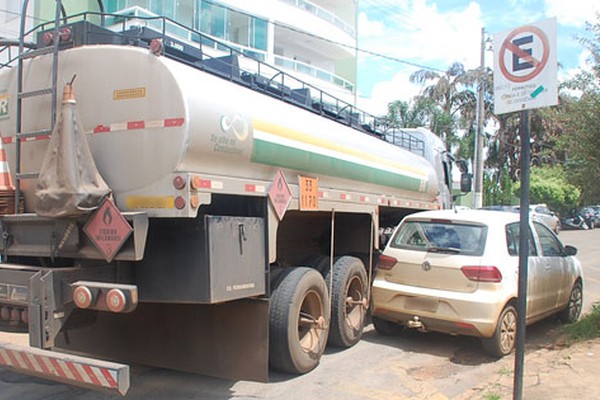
(74, 370)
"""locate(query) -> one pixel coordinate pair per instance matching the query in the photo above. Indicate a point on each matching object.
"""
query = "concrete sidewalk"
(557, 372)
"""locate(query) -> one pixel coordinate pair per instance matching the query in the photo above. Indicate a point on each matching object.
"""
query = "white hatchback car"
(457, 272)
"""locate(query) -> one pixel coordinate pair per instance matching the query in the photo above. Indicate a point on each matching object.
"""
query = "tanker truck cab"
(240, 226)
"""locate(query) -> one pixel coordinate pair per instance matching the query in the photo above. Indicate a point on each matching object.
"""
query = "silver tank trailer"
(150, 118)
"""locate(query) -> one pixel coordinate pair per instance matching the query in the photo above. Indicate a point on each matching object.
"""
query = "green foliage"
(581, 120)
(588, 327)
(499, 189)
(550, 185)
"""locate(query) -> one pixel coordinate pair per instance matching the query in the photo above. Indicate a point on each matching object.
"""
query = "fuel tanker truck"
(192, 210)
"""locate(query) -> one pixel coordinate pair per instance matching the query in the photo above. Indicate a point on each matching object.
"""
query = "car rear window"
(444, 237)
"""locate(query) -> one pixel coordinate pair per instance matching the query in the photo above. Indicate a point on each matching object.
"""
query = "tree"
(402, 114)
(453, 96)
(550, 185)
(581, 140)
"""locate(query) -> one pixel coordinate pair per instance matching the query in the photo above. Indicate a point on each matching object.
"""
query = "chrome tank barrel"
(148, 117)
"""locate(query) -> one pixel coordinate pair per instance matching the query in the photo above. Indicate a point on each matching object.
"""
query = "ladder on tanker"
(51, 90)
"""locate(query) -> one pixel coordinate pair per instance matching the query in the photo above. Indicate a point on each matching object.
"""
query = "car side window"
(512, 240)
(550, 245)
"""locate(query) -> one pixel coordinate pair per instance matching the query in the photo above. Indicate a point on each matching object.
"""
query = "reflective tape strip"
(77, 370)
(114, 127)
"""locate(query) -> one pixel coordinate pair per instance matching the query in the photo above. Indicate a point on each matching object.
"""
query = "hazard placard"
(525, 67)
(309, 193)
(108, 229)
(280, 194)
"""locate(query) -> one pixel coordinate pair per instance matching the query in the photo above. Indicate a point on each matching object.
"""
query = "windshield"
(441, 237)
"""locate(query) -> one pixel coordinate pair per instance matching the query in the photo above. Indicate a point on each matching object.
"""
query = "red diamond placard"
(280, 194)
(108, 229)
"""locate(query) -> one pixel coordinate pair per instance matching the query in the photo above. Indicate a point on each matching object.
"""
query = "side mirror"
(570, 250)
(466, 182)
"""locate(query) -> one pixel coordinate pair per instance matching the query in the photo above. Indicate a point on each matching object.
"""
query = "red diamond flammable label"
(280, 194)
(108, 229)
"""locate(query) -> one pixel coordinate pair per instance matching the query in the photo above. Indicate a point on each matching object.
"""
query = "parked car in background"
(457, 272)
(542, 213)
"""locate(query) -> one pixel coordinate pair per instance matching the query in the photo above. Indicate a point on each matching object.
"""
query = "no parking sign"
(525, 66)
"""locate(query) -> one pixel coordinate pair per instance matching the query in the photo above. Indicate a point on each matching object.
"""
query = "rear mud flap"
(228, 340)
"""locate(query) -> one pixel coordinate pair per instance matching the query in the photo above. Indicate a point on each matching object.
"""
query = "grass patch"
(588, 327)
(491, 396)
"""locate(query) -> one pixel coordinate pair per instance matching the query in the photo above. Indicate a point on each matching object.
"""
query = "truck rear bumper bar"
(74, 370)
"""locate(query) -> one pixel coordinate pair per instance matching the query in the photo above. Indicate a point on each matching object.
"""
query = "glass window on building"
(140, 3)
(212, 20)
(259, 37)
(184, 13)
(239, 28)
(113, 6)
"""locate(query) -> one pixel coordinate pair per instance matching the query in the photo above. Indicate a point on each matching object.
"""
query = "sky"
(436, 34)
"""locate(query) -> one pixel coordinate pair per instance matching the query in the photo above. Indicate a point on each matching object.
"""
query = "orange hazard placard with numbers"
(309, 193)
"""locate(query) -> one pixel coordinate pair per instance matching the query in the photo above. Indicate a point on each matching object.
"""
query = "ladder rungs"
(33, 93)
(37, 52)
(27, 175)
(26, 135)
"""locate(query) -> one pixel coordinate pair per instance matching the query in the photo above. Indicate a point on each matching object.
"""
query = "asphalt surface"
(411, 366)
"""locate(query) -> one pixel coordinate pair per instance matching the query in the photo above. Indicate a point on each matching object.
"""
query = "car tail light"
(386, 262)
(482, 274)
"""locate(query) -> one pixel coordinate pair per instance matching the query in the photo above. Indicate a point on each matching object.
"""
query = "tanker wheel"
(298, 323)
(349, 301)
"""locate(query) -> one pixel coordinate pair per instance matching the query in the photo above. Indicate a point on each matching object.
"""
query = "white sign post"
(525, 66)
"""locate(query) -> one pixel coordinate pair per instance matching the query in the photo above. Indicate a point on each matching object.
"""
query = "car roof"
(485, 217)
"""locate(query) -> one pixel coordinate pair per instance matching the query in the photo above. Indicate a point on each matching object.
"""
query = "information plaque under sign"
(108, 229)
(309, 193)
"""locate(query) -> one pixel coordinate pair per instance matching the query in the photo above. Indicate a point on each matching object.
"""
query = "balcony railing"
(323, 14)
(316, 72)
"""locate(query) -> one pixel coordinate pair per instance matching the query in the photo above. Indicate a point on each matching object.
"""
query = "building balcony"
(323, 14)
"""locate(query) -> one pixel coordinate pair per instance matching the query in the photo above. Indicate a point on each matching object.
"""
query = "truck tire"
(348, 301)
(298, 323)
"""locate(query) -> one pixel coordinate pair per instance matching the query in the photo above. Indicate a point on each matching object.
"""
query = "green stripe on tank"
(293, 158)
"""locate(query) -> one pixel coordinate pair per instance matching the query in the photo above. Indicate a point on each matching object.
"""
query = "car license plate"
(422, 304)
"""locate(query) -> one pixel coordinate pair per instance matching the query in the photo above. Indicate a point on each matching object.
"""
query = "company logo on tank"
(3, 105)
(234, 131)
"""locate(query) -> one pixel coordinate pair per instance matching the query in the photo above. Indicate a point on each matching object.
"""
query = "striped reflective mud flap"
(66, 368)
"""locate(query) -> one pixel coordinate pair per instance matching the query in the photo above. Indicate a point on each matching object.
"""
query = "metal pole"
(523, 258)
(478, 167)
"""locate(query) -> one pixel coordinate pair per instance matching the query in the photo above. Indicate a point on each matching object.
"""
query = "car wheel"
(387, 328)
(503, 341)
(572, 312)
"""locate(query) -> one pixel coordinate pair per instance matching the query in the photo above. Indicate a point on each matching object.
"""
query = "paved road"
(412, 366)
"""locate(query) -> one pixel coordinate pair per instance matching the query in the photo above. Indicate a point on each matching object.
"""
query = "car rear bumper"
(473, 313)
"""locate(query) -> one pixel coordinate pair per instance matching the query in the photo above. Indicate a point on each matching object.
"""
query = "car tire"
(572, 311)
(349, 292)
(502, 343)
(298, 321)
(387, 328)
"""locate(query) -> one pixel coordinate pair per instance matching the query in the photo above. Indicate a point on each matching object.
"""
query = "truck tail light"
(116, 300)
(83, 297)
(386, 262)
(482, 273)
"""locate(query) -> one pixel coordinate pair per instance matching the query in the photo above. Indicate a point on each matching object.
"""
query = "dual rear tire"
(301, 322)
